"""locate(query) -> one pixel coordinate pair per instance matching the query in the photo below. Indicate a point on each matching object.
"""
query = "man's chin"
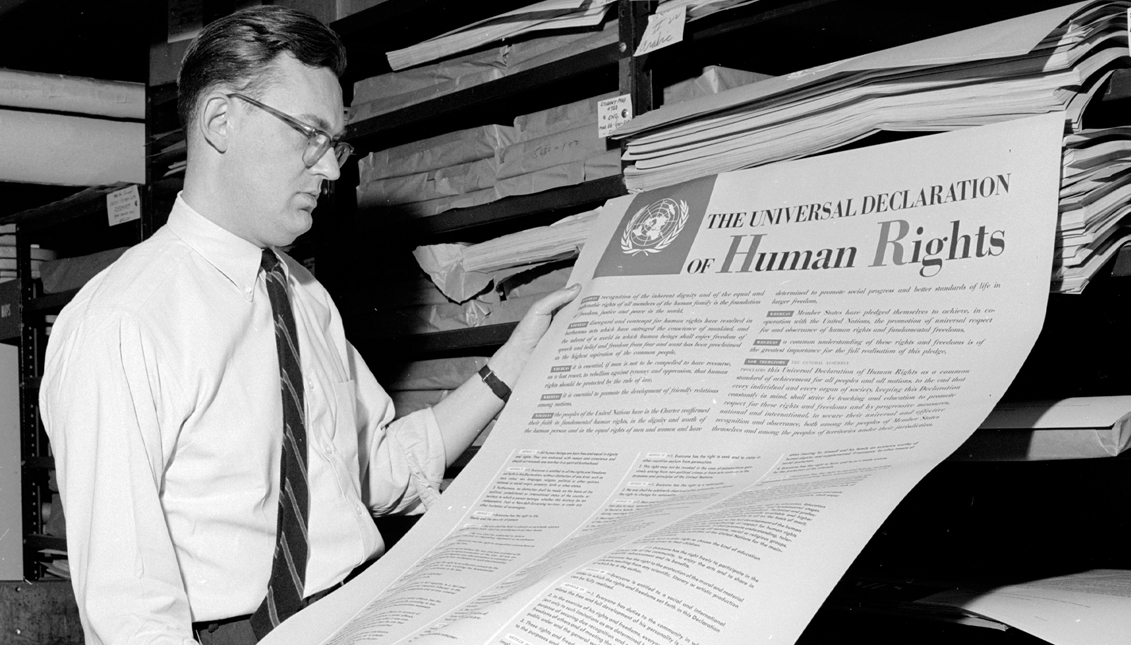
(300, 224)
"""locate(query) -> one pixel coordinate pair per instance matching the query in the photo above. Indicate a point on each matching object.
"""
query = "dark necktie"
(288, 569)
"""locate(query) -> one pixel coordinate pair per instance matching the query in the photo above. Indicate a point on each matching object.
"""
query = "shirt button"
(327, 447)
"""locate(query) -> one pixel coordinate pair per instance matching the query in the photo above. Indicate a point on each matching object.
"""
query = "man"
(166, 377)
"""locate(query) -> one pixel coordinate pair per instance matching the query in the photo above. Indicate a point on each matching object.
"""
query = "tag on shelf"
(612, 113)
(123, 205)
(664, 28)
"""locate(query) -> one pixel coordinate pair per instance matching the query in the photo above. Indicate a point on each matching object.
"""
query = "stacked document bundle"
(433, 175)
(388, 92)
(540, 16)
(554, 148)
(1045, 62)
(1095, 204)
(543, 150)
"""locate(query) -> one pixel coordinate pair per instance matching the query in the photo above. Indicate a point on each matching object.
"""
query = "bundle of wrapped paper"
(504, 304)
(1075, 428)
(543, 150)
(433, 175)
(540, 16)
(461, 271)
(385, 93)
(1046, 62)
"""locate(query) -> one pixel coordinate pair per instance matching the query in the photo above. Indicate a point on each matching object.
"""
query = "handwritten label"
(612, 113)
(123, 206)
(664, 28)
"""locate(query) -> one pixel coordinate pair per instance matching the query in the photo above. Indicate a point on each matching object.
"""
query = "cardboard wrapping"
(1044, 445)
(552, 150)
(385, 86)
(389, 103)
(442, 151)
(559, 118)
(532, 58)
(605, 164)
(388, 92)
(434, 184)
(429, 207)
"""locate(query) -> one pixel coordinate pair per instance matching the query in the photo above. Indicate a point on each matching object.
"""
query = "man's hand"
(464, 412)
(509, 360)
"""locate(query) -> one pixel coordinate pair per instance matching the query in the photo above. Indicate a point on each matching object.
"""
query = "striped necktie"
(288, 568)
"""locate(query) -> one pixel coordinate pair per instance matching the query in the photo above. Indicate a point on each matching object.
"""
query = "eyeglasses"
(317, 141)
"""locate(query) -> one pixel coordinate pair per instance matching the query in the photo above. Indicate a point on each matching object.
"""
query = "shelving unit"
(961, 512)
(75, 225)
(357, 249)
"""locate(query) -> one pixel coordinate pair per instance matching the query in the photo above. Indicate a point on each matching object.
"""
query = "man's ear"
(214, 121)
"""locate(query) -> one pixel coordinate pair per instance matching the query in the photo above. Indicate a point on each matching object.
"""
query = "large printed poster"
(759, 367)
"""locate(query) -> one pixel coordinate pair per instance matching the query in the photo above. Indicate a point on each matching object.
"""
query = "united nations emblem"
(654, 227)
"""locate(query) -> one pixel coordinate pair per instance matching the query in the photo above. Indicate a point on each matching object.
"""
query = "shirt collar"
(232, 255)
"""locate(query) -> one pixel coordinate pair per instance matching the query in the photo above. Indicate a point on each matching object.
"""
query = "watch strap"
(495, 383)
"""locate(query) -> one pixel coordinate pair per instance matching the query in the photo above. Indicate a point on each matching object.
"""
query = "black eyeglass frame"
(318, 141)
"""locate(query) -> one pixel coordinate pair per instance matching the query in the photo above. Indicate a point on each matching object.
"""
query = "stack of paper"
(1046, 62)
(554, 148)
(1095, 204)
(549, 14)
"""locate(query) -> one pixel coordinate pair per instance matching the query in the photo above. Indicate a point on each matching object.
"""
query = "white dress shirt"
(161, 398)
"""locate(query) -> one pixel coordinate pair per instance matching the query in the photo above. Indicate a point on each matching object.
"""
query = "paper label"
(664, 28)
(123, 206)
(612, 113)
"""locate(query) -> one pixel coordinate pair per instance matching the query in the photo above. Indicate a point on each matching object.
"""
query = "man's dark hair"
(237, 50)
